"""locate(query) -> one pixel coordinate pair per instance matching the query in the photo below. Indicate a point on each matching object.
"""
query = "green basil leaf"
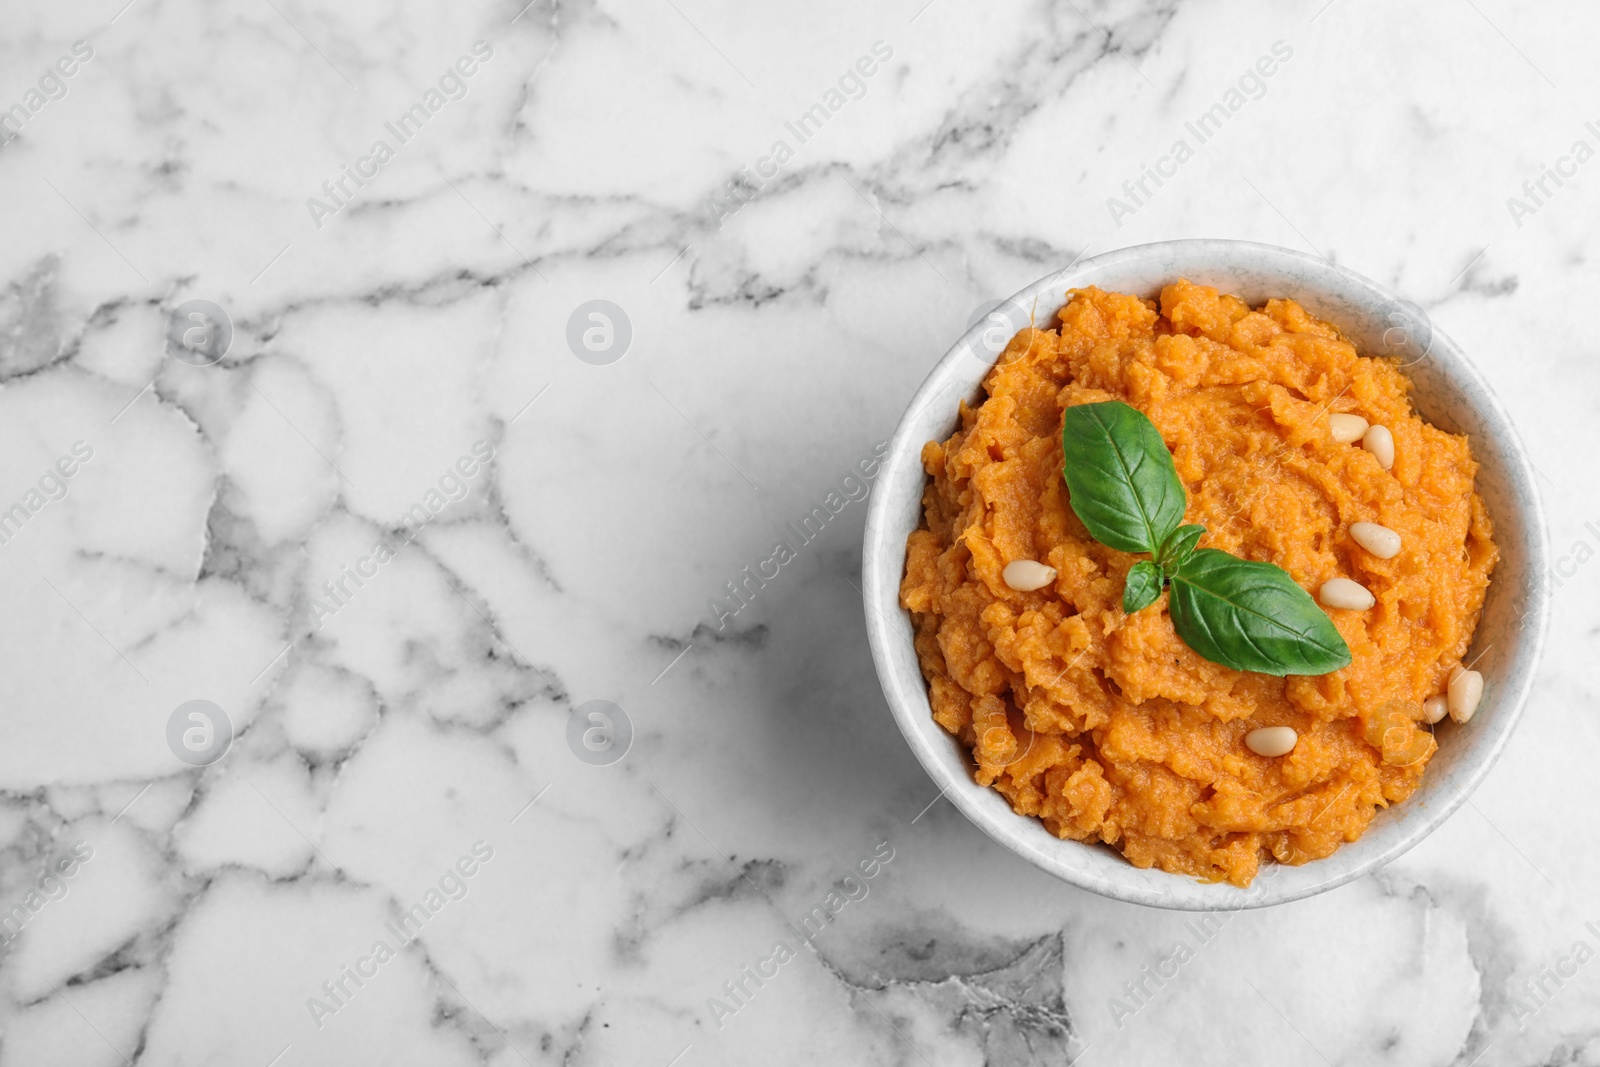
(1178, 547)
(1123, 484)
(1143, 587)
(1252, 617)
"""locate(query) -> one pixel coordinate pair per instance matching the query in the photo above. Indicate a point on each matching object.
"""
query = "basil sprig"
(1243, 614)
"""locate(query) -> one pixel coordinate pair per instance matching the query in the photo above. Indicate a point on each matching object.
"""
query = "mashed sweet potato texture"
(1107, 726)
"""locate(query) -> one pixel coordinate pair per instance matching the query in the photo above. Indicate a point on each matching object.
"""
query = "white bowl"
(1449, 392)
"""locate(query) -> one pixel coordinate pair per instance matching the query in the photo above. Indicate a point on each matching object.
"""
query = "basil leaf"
(1144, 586)
(1252, 616)
(1178, 547)
(1123, 484)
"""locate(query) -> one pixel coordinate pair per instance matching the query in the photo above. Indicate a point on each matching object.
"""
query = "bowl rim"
(883, 563)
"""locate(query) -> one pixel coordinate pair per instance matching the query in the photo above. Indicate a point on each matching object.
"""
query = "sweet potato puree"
(1107, 726)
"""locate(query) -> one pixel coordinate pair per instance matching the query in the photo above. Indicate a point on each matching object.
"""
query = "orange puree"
(1107, 726)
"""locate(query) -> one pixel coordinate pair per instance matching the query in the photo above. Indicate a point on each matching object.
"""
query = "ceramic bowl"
(1449, 392)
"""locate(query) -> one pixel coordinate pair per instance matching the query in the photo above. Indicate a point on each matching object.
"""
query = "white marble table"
(400, 859)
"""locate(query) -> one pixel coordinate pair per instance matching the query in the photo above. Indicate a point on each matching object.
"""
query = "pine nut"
(1380, 442)
(1379, 540)
(1271, 741)
(1026, 575)
(1346, 429)
(1463, 693)
(1434, 708)
(1343, 593)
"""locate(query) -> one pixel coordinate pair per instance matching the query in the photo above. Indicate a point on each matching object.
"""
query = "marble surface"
(425, 511)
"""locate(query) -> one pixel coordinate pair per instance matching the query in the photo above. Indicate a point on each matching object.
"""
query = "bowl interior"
(1448, 392)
